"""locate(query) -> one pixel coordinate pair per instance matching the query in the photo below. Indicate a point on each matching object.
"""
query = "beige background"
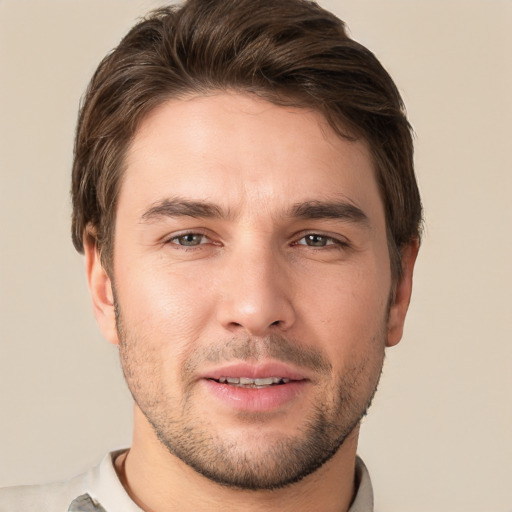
(439, 436)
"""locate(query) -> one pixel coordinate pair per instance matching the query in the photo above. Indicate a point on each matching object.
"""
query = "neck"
(157, 481)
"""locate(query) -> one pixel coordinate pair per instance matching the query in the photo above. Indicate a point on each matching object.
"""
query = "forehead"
(238, 149)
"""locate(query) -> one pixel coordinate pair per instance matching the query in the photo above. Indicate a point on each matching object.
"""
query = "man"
(244, 194)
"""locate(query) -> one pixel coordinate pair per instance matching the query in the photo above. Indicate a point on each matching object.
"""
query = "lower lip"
(256, 399)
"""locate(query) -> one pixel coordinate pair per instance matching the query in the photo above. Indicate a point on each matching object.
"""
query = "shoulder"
(54, 497)
(99, 482)
(97, 489)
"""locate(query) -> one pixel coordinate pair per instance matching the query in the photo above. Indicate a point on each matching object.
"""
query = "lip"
(256, 371)
(264, 399)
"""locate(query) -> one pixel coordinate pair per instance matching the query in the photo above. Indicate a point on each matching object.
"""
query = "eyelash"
(330, 242)
(185, 234)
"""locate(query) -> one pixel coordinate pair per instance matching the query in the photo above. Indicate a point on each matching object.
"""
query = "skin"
(249, 277)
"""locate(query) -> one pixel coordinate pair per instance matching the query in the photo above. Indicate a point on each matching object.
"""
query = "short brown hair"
(290, 52)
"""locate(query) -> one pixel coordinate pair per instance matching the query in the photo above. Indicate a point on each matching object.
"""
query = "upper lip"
(255, 371)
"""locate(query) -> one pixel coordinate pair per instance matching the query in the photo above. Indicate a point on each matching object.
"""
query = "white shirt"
(99, 489)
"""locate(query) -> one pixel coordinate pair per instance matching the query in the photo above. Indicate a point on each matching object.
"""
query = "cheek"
(166, 306)
(347, 311)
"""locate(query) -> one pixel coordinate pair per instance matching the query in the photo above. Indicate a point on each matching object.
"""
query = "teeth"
(248, 382)
(265, 382)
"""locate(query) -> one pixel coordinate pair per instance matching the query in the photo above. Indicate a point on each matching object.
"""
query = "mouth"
(250, 383)
(242, 374)
(262, 387)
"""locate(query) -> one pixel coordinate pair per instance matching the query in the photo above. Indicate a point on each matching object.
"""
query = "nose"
(256, 294)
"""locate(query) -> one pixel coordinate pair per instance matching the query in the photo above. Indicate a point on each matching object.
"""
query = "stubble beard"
(276, 462)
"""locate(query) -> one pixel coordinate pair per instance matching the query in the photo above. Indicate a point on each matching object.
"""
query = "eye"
(189, 239)
(315, 240)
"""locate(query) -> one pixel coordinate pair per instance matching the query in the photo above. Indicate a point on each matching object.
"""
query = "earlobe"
(398, 309)
(100, 287)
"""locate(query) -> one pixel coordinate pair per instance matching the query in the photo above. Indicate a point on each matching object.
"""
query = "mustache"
(256, 349)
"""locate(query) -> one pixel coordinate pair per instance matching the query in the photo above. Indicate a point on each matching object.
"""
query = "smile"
(247, 382)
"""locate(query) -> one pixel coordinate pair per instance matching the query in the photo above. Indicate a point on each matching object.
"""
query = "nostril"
(255, 314)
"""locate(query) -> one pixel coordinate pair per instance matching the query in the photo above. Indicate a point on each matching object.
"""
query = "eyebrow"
(337, 210)
(179, 207)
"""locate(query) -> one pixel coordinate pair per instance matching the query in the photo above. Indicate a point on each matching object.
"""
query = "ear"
(100, 288)
(402, 296)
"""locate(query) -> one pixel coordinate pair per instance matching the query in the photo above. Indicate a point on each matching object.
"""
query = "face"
(252, 286)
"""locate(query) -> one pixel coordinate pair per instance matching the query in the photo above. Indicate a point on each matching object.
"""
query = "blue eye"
(189, 239)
